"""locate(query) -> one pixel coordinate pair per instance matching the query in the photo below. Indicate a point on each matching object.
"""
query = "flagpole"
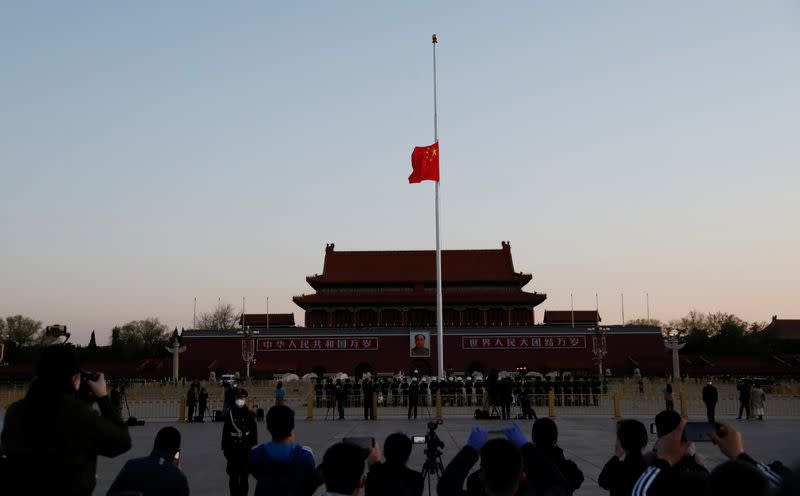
(439, 313)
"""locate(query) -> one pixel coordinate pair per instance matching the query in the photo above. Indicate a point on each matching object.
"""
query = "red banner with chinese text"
(317, 344)
(535, 342)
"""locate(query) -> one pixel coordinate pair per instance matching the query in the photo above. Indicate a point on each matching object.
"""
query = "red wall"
(393, 355)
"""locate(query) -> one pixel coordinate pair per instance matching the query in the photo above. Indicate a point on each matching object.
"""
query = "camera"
(433, 445)
(88, 375)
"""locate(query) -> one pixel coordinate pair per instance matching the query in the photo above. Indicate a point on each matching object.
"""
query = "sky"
(153, 153)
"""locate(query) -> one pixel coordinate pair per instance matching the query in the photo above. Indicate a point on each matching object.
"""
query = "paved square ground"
(586, 440)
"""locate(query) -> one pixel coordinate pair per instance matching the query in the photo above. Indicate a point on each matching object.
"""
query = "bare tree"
(644, 322)
(222, 317)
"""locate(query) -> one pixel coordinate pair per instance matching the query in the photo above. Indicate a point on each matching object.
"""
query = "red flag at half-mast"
(425, 162)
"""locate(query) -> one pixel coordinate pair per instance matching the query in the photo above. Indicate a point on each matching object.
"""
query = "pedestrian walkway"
(587, 440)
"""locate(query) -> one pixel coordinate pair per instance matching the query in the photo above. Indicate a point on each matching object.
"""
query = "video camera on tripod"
(433, 453)
(433, 445)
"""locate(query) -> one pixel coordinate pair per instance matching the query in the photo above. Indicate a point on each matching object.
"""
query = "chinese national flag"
(425, 162)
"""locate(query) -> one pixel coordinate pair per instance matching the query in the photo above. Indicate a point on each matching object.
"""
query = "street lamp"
(599, 347)
(248, 348)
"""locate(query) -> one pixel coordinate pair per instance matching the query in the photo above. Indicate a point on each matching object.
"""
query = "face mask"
(240, 403)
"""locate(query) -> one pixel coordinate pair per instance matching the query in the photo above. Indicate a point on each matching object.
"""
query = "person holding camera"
(393, 477)
(741, 474)
(622, 471)
(54, 432)
(238, 437)
(501, 472)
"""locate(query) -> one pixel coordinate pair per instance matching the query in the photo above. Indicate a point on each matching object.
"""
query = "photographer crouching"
(52, 437)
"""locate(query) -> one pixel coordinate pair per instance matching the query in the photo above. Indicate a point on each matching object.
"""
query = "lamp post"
(599, 347)
(248, 348)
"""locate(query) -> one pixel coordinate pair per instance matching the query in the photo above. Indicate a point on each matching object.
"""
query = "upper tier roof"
(423, 298)
(418, 267)
(260, 319)
(563, 317)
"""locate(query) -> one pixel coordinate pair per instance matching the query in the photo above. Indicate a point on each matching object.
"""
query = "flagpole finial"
(435, 38)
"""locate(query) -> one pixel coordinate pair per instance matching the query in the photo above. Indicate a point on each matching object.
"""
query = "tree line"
(721, 333)
(717, 333)
(24, 336)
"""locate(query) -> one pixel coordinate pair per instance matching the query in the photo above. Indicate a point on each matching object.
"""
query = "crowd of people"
(55, 427)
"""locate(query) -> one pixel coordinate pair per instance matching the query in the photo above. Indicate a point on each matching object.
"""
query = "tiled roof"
(422, 298)
(566, 316)
(260, 319)
(417, 267)
(784, 328)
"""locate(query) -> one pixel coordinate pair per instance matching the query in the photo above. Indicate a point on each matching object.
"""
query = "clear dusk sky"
(154, 152)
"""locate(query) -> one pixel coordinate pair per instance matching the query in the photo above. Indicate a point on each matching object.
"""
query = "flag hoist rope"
(439, 313)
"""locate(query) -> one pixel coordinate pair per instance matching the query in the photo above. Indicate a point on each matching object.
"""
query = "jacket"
(662, 479)
(542, 477)
(619, 476)
(710, 395)
(385, 479)
(555, 456)
(153, 475)
(67, 445)
(239, 430)
(283, 470)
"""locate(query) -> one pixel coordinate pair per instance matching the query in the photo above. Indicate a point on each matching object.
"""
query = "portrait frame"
(415, 351)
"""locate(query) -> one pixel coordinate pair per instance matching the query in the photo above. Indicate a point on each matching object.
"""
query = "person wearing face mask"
(238, 437)
(53, 432)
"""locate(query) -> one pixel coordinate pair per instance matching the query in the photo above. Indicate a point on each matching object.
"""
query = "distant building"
(370, 308)
(783, 329)
(364, 289)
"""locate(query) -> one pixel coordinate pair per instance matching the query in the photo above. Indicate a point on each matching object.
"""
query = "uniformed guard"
(404, 390)
(238, 437)
(469, 389)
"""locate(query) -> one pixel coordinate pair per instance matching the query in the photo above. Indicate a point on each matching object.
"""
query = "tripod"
(432, 468)
(331, 408)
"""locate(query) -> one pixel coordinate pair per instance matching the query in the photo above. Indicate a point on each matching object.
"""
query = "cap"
(241, 393)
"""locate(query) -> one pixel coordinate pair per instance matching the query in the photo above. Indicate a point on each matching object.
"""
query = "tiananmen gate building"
(376, 311)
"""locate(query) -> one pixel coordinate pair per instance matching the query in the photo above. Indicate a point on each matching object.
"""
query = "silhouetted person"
(669, 398)
(157, 474)
(413, 398)
(52, 438)
(622, 471)
(393, 477)
(744, 399)
(191, 403)
(710, 397)
(369, 393)
(202, 404)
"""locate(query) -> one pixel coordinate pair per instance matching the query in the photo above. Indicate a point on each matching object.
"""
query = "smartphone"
(699, 431)
(418, 439)
(497, 434)
(366, 443)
